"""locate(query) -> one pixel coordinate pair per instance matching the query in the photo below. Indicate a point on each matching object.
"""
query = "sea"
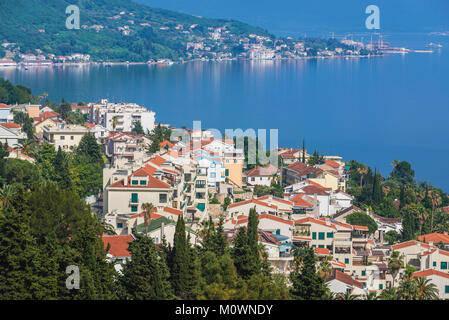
(373, 110)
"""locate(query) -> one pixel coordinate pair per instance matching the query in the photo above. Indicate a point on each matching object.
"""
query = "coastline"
(108, 64)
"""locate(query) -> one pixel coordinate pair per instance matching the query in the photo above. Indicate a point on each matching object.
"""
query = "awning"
(201, 206)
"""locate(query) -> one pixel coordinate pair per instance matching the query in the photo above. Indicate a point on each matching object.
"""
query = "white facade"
(121, 117)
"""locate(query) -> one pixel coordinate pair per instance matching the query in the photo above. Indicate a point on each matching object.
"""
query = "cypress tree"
(219, 239)
(62, 172)
(145, 277)
(253, 237)
(303, 151)
(242, 255)
(180, 261)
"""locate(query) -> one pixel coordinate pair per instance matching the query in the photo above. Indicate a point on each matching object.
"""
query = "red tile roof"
(2, 105)
(312, 189)
(153, 183)
(345, 278)
(275, 218)
(158, 160)
(118, 244)
(303, 169)
(262, 171)
(165, 143)
(172, 210)
(332, 163)
(255, 201)
(313, 220)
(429, 272)
(408, 244)
(90, 125)
(11, 125)
(434, 237)
(299, 201)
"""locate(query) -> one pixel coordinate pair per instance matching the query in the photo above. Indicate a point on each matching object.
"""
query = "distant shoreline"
(106, 64)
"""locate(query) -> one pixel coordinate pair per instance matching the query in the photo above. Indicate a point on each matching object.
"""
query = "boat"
(434, 45)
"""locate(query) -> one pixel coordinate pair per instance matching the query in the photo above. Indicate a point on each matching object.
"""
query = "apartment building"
(65, 136)
(120, 117)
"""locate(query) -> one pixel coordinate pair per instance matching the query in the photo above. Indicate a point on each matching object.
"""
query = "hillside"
(113, 30)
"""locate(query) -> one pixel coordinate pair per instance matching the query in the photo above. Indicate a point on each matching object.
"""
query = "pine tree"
(219, 239)
(145, 277)
(242, 255)
(89, 148)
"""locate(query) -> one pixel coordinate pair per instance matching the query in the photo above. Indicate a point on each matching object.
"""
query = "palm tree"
(347, 296)
(389, 294)
(275, 178)
(7, 195)
(426, 290)
(114, 122)
(371, 296)
(362, 172)
(395, 262)
(325, 267)
(148, 209)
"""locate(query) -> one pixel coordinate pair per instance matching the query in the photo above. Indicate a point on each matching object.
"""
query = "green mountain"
(41, 24)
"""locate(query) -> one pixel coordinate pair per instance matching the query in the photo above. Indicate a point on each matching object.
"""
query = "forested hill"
(153, 33)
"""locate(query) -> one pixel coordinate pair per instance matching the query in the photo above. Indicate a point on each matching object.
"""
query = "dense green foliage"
(11, 94)
(399, 196)
(143, 42)
(362, 219)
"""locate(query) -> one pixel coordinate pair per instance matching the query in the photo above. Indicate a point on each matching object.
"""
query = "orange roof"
(158, 160)
(153, 215)
(302, 238)
(345, 278)
(255, 201)
(313, 220)
(408, 244)
(275, 199)
(430, 272)
(11, 125)
(153, 183)
(275, 218)
(172, 210)
(434, 237)
(332, 163)
(2, 105)
(90, 125)
(118, 244)
(144, 171)
(299, 201)
(165, 143)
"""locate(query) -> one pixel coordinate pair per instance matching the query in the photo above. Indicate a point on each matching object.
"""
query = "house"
(118, 247)
(126, 193)
(298, 171)
(49, 123)
(243, 208)
(5, 113)
(214, 166)
(435, 238)
(291, 155)
(122, 145)
(17, 154)
(13, 135)
(261, 175)
(65, 136)
(438, 278)
(100, 132)
(341, 283)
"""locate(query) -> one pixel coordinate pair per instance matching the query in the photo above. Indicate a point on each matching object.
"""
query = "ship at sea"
(434, 45)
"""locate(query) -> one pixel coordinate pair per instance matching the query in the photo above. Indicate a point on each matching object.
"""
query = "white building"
(121, 117)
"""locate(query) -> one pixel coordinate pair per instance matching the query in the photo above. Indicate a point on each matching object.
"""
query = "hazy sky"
(319, 16)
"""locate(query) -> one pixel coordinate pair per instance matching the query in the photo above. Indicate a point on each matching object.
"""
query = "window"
(321, 246)
(381, 286)
(62, 137)
(227, 172)
(162, 197)
(135, 182)
(446, 289)
(119, 225)
(253, 179)
(143, 183)
(313, 235)
(321, 236)
(330, 235)
(133, 208)
(346, 260)
(72, 137)
(363, 273)
(443, 265)
(134, 198)
(434, 263)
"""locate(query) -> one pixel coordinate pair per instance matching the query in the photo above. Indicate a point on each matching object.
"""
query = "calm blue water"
(372, 110)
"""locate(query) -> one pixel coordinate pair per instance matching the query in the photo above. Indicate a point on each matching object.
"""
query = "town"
(367, 237)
